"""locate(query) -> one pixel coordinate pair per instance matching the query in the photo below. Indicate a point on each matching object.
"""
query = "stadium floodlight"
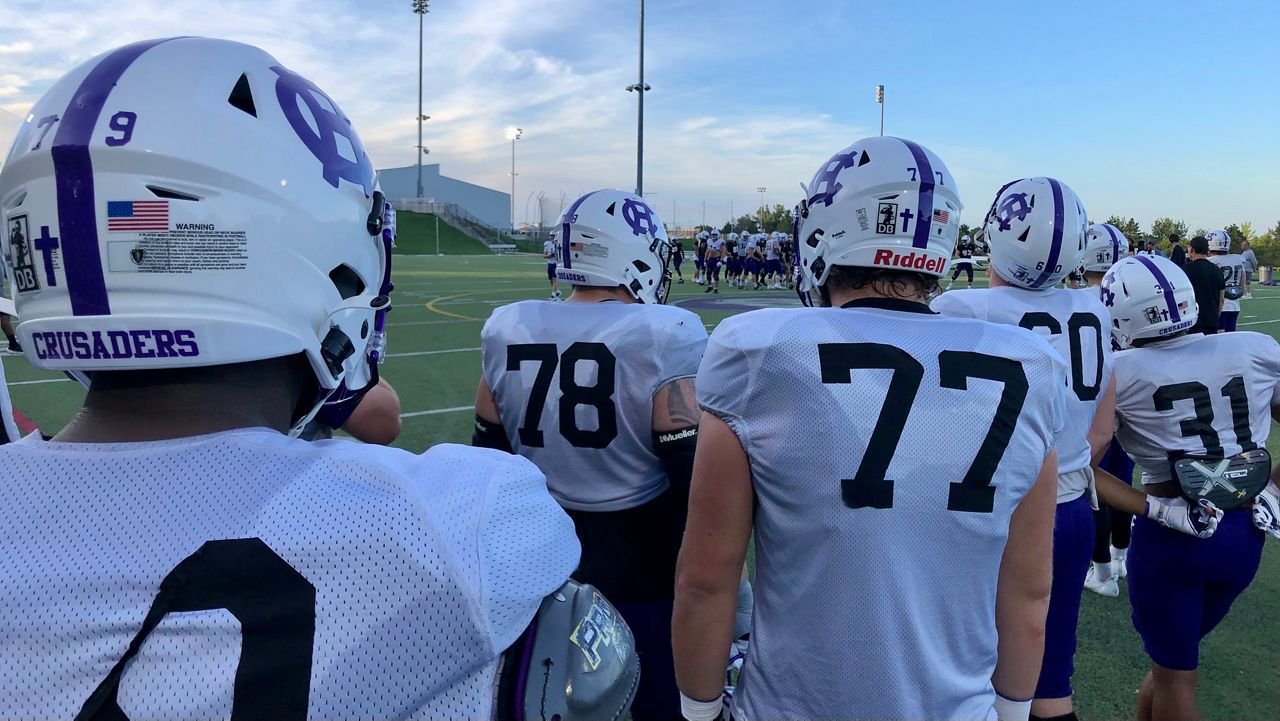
(513, 134)
(420, 9)
(880, 102)
(640, 89)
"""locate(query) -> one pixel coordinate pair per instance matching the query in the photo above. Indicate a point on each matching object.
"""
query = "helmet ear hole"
(241, 97)
(640, 265)
(347, 281)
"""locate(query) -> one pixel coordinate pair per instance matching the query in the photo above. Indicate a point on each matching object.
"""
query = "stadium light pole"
(513, 134)
(761, 190)
(420, 9)
(640, 88)
(880, 102)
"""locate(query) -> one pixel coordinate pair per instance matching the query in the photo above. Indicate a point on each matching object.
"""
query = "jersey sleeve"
(952, 304)
(725, 364)
(1269, 360)
(528, 547)
(686, 341)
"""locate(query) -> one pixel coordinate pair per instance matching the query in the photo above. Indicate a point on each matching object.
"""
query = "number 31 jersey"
(574, 385)
(1078, 327)
(1202, 395)
(326, 580)
(888, 448)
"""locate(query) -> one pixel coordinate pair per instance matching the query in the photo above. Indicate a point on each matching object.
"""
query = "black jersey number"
(276, 608)
(572, 395)
(1078, 322)
(1201, 425)
(870, 487)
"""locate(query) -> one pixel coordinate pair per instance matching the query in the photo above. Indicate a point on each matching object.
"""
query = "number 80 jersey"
(574, 385)
(888, 448)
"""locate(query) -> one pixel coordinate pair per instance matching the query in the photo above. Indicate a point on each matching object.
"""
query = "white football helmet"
(1035, 232)
(703, 235)
(1218, 241)
(612, 237)
(733, 236)
(190, 202)
(1104, 245)
(1149, 297)
(882, 202)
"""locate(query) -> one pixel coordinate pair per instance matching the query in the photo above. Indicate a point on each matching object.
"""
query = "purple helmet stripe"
(564, 229)
(1055, 243)
(1115, 242)
(73, 177)
(925, 220)
(1165, 287)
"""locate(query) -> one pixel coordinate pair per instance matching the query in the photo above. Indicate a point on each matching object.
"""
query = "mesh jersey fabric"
(7, 423)
(1199, 375)
(647, 346)
(424, 569)
(874, 612)
(1083, 341)
(1233, 271)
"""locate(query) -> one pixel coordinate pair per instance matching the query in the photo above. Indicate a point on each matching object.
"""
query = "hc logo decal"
(826, 183)
(322, 138)
(639, 216)
(1014, 204)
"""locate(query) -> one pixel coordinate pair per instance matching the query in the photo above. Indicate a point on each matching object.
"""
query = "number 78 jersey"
(880, 437)
(574, 385)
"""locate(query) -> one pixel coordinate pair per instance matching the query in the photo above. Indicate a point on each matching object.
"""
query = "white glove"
(1181, 516)
(1266, 510)
(1009, 710)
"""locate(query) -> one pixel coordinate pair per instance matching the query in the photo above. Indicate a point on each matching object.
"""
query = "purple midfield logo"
(639, 216)
(1015, 204)
(827, 182)
(322, 139)
(115, 344)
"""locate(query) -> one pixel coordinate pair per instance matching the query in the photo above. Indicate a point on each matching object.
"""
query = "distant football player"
(1195, 411)
(551, 251)
(773, 262)
(1104, 245)
(1233, 276)
(742, 250)
(1036, 233)
(700, 257)
(173, 552)
(754, 264)
(831, 453)
(714, 261)
(677, 260)
(599, 393)
(963, 261)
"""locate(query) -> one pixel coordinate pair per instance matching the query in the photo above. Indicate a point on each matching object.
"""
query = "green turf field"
(440, 303)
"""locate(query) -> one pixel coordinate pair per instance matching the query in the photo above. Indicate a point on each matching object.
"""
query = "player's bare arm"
(710, 565)
(1104, 422)
(1022, 596)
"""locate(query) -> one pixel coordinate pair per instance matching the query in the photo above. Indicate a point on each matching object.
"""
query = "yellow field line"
(431, 306)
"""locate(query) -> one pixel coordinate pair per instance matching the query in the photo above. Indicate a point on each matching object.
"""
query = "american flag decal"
(941, 216)
(137, 215)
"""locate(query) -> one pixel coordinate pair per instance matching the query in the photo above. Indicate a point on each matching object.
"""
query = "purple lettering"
(186, 341)
(140, 338)
(100, 351)
(119, 344)
(37, 343)
(80, 343)
(164, 343)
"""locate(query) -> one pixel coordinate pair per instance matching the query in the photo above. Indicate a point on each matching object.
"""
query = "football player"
(754, 263)
(773, 262)
(1232, 265)
(1036, 233)
(551, 251)
(1104, 245)
(732, 266)
(677, 260)
(173, 552)
(700, 258)
(963, 261)
(831, 453)
(742, 249)
(715, 256)
(599, 393)
(1189, 402)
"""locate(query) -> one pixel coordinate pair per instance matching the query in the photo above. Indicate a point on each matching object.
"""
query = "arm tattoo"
(682, 405)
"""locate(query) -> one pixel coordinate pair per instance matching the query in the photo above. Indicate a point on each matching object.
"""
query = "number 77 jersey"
(574, 385)
(888, 448)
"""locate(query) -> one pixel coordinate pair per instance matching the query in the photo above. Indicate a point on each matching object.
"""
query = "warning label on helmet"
(188, 248)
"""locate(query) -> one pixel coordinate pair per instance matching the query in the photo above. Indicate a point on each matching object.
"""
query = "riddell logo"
(916, 261)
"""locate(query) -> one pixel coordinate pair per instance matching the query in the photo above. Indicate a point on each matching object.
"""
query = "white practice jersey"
(551, 251)
(8, 426)
(1078, 327)
(574, 385)
(1202, 395)
(1233, 273)
(891, 583)
(772, 249)
(743, 245)
(332, 579)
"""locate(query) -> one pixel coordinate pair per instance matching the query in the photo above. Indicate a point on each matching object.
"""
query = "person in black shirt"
(963, 260)
(1207, 280)
(1176, 252)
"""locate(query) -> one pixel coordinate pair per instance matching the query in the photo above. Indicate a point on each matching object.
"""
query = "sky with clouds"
(1144, 108)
